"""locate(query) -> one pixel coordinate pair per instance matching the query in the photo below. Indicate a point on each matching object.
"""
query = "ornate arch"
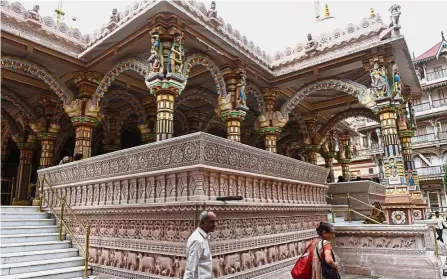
(16, 131)
(40, 72)
(130, 64)
(347, 86)
(25, 109)
(363, 112)
(132, 100)
(183, 121)
(208, 63)
(121, 119)
(197, 93)
(256, 92)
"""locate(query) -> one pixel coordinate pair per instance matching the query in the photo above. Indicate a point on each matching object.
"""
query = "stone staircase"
(30, 246)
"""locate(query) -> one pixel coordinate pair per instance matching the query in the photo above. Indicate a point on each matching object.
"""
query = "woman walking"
(323, 262)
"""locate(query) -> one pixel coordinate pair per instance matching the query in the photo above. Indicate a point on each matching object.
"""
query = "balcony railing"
(423, 138)
(422, 107)
(437, 75)
(426, 106)
(431, 170)
(439, 103)
(442, 135)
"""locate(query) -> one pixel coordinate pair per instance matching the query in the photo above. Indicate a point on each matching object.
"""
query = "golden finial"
(372, 13)
(326, 10)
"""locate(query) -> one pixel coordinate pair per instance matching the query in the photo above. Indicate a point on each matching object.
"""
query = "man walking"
(440, 224)
(198, 260)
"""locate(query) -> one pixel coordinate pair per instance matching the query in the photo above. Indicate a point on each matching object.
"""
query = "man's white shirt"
(440, 223)
(199, 260)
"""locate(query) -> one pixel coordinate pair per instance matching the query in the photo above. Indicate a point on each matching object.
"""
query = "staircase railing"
(63, 221)
(349, 209)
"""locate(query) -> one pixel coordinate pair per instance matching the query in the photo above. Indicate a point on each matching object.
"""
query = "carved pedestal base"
(143, 203)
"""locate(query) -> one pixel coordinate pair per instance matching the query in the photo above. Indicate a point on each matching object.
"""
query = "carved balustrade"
(387, 251)
(143, 204)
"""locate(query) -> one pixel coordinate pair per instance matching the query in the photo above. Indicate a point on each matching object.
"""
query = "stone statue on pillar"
(156, 62)
(379, 81)
(241, 97)
(176, 55)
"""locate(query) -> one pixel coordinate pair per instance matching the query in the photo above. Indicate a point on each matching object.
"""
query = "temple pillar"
(24, 171)
(344, 155)
(165, 79)
(270, 122)
(401, 206)
(84, 135)
(232, 107)
(311, 153)
(84, 111)
(327, 151)
(47, 143)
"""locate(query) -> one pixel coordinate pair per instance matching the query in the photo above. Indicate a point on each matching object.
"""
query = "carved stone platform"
(143, 202)
(365, 191)
(388, 251)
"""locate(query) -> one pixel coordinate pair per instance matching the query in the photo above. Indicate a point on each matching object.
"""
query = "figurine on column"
(240, 91)
(175, 56)
(156, 58)
(379, 81)
(212, 13)
(397, 83)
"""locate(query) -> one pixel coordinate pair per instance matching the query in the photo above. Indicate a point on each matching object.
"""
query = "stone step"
(34, 246)
(23, 215)
(26, 267)
(24, 238)
(17, 209)
(63, 273)
(28, 256)
(28, 229)
(27, 222)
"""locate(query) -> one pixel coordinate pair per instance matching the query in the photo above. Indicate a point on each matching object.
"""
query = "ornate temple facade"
(167, 107)
(429, 141)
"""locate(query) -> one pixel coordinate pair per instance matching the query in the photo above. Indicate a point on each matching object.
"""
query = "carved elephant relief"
(146, 263)
(218, 264)
(232, 264)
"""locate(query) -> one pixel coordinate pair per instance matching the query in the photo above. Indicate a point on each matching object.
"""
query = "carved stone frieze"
(189, 150)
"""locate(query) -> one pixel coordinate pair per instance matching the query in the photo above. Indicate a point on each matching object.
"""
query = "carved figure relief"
(379, 79)
(156, 60)
(176, 55)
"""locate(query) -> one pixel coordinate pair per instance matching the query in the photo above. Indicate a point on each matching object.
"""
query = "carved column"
(328, 153)
(148, 135)
(344, 156)
(84, 111)
(48, 143)
(24, 171)
(387, 94)
(84, 134)
(165, 79)
(406, 130)
(232, 107)
(270, 123)
(312, 146)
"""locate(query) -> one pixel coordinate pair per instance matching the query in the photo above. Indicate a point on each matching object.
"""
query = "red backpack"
(303, 266)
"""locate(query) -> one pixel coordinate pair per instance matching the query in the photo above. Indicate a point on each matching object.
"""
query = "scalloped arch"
(208, 63)
(363, 112)
(343, 85)
(251, 88)
(124, 65)
(132, 100)
(16, 131)
(197, 93)
(40, 72)
(24, 108)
